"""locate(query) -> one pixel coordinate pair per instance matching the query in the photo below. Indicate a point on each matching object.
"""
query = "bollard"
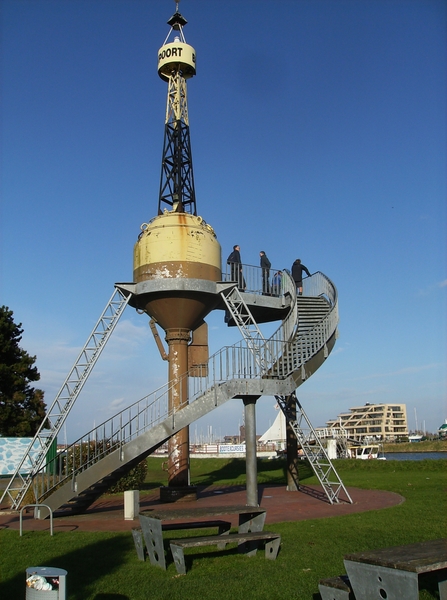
(131, 505)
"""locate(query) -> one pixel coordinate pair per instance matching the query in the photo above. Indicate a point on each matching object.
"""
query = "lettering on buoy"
(174, 52)
(170, 52)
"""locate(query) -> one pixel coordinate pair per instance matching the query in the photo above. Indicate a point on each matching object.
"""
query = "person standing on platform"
(265, 266)
(297, 275)
(234, 260)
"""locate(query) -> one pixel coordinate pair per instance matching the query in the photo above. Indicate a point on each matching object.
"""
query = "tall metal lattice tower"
(176, 64)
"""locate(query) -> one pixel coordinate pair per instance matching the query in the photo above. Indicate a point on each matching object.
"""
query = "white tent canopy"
(277, 432)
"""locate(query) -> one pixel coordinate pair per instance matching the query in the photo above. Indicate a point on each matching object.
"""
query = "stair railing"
(313, 448)
(229, 363)
(58, 411)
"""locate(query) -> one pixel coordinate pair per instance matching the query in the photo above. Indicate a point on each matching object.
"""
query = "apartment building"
(384, 422)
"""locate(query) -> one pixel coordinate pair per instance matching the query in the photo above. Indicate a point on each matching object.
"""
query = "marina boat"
(365, 452)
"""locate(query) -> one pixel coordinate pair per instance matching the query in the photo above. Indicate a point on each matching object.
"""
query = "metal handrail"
(252, 276)
(230, 362)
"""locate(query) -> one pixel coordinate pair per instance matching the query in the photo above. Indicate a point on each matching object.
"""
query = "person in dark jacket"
(297, 274)
(234, 260)
(265, 266)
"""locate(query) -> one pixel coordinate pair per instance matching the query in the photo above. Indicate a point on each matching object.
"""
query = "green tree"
(22, 408)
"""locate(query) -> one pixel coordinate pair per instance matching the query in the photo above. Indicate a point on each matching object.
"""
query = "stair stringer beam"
(307, 369)
(147, 442)
(61, 406)
(313, 449)
(245, 322)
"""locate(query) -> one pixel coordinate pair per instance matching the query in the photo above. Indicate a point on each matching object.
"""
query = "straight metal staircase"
(115, 446)
(65, 399)
(247, 325)
(312, 447)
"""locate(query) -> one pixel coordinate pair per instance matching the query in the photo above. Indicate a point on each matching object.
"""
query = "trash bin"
(45, 583)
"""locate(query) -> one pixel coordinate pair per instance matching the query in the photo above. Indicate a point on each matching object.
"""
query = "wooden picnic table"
(392, 573)
(153, 522)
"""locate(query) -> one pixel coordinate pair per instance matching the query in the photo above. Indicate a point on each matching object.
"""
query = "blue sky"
(318, 131)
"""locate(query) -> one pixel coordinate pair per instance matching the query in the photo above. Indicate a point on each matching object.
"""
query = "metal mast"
(176, 64)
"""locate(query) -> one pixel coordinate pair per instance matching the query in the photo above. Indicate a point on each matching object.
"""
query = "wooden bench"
(336, 588)
(393, 573)
(137, 533)
(247, 542)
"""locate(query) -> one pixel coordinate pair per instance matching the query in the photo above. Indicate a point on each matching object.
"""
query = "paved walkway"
(107, 514)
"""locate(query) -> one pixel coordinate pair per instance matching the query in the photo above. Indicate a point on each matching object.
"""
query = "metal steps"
(65, 399)
(310, 312)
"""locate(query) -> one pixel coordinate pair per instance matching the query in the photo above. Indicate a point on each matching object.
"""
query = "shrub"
(133, 480)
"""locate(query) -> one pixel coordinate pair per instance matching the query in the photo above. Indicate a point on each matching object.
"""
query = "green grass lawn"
(104, 566)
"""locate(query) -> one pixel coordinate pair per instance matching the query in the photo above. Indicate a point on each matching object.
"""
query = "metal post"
(250, 449)
(292, 449)
(178, 487)
(36, 506)
(178, 461)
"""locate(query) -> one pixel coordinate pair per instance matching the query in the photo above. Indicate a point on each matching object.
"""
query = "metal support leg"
(251, 522)
(272, 548)
(179, 558)
(250, 446)
(153, 538)
(292, 450)
(137, 535)
(372, 581)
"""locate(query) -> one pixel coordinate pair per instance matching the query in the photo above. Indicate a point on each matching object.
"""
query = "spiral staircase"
(254, 366)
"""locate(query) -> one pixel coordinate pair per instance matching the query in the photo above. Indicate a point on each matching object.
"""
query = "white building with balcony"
(382, 422)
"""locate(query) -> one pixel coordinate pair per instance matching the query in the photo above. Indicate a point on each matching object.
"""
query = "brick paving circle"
(107, 513)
